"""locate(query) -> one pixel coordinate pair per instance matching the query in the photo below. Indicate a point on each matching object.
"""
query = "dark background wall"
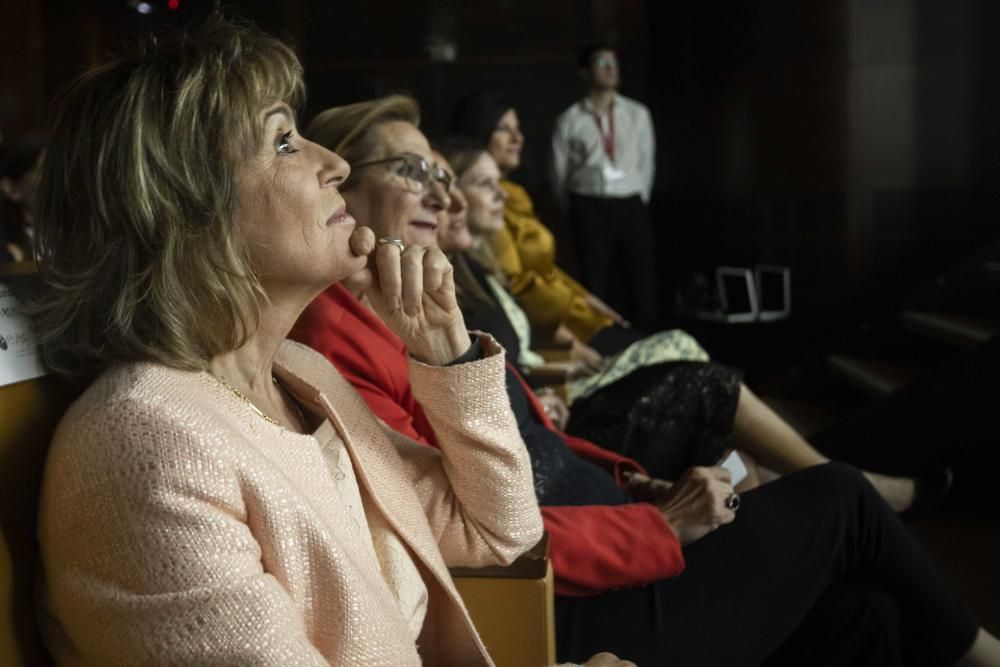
(853, 140)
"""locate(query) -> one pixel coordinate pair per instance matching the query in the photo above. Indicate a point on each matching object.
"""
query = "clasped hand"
(413, 292)
(694, 505)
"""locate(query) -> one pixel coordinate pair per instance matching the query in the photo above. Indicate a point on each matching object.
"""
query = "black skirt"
(668, 417)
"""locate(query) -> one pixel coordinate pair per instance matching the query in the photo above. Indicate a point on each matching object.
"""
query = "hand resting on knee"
(693, 506)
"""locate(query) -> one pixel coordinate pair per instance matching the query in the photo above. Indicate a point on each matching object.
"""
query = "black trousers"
(816, 570)
(615, 252)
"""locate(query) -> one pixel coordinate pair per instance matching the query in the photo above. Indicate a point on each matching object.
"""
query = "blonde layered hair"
(350, 130)
(136, 238)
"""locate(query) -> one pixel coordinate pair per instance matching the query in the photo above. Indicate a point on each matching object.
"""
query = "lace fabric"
(669, 417)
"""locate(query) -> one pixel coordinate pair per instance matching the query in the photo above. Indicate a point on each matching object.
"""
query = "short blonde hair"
(349, 131)
(135, 222)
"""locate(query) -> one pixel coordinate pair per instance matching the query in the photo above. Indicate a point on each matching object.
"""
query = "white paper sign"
(19, 355)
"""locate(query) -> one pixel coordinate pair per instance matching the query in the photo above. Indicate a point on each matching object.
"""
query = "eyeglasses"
(415, 171)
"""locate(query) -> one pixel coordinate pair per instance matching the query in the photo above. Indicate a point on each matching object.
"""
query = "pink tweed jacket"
(178, 527)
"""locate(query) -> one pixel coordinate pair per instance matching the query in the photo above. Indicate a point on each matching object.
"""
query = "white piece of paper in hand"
(734, 464)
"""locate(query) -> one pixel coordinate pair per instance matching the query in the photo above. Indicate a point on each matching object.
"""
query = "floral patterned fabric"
(662, 347)
(526, 251)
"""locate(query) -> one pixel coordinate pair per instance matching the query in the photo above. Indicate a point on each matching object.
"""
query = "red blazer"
(594, 548)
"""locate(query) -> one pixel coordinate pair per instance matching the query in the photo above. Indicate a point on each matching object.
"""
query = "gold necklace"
(302, 417)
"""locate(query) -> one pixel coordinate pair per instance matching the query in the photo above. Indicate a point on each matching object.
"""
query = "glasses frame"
(434, 171)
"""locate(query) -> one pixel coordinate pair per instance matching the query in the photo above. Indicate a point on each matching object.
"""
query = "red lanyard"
(608, 139)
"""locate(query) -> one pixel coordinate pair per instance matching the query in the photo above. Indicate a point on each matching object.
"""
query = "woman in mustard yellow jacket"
(526, 251)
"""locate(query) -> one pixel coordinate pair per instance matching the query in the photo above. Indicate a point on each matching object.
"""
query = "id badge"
(613, 173)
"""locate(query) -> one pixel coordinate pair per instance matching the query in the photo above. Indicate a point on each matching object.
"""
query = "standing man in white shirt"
(603, 162)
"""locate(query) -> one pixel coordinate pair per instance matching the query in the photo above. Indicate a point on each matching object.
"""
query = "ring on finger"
(733, 501)
(388, 240)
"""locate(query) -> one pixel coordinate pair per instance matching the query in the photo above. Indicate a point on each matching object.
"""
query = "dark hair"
(469, 292)
(586, 54)
(475, 116)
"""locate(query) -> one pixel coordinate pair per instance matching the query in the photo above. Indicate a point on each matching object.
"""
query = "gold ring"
(387, 240)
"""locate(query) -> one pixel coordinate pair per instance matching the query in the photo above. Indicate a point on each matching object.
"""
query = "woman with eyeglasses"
(591, 523)
(392, 151)
(396, 188)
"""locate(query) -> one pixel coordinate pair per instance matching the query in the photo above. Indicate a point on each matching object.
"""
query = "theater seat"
(512, 608)
(29, 412)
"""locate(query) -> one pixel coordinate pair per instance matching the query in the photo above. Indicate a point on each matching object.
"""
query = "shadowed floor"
(966, 549)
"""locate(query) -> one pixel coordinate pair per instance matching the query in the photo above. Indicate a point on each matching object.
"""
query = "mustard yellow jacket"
(526, 251)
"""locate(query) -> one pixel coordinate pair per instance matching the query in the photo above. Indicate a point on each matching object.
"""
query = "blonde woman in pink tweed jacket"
(218, 495)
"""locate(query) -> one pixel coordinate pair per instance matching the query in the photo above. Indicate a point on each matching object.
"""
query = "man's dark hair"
(586, 54)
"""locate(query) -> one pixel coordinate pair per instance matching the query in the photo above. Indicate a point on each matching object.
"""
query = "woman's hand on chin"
(362, 244)
(414, 294)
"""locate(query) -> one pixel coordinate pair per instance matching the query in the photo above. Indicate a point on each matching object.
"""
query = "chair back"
(29, 412)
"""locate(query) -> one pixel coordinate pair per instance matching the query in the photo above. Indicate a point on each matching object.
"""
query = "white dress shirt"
(580, 160)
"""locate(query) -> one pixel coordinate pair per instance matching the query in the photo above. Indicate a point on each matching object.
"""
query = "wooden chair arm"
(513, 608)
